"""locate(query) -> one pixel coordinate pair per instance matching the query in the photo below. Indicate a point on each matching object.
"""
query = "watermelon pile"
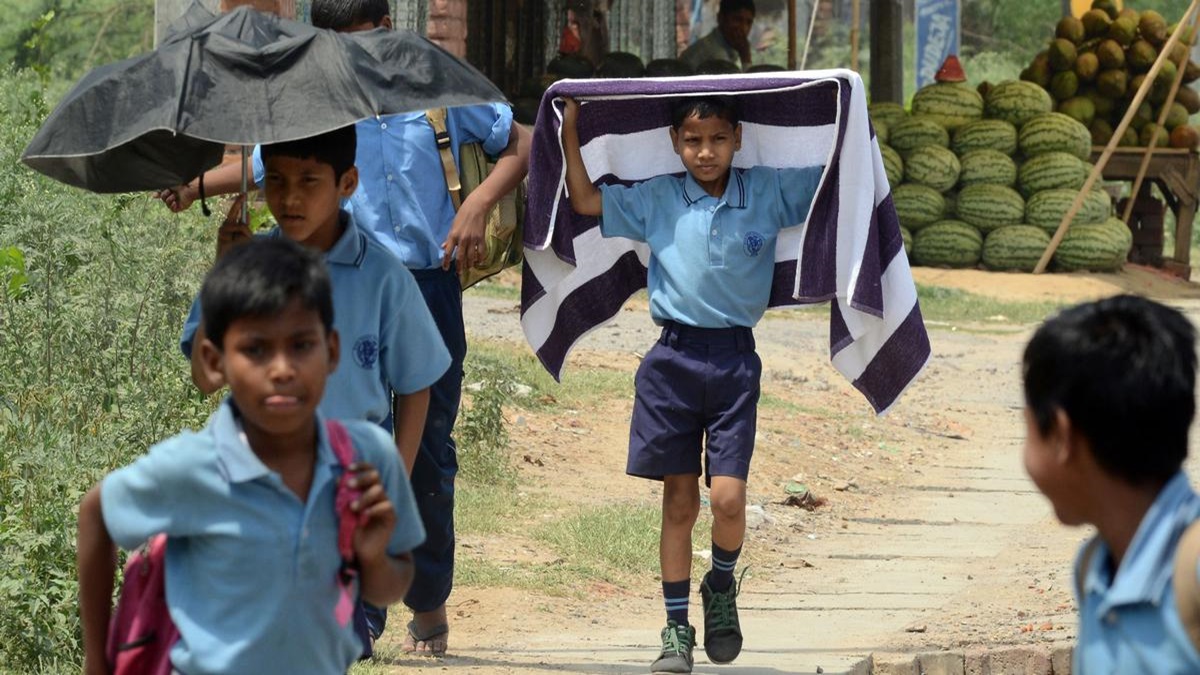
(1095, 64)
(986, 178)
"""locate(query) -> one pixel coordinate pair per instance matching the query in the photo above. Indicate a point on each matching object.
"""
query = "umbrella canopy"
(243, 77)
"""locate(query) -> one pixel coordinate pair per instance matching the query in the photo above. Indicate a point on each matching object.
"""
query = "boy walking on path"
(247, 503)
(711, 234)
(1109, 398)
(403, 200)
(393, 351)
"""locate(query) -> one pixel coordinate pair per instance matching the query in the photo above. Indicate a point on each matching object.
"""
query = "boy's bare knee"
(681, 507)
(728, 506)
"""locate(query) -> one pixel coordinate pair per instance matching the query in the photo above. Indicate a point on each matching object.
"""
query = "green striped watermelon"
(1047, 208)
(892, 165)
(907, 236)
(934, 166)
(1098, 247)
(951, 198)
(987, 167)
(1017, 101)
(947, 243)
(951, 104)
(1052, 170)
(918, 205)
(986, 135)
(917, 132)
(988, 207)
(1014, 247)
(887, 112)
(882, 132)
(1055, 132)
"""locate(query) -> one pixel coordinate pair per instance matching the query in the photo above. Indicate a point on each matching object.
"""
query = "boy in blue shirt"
(247, 503)
(1109, 398)
(403, 200)
(393, 348)
(711, 234)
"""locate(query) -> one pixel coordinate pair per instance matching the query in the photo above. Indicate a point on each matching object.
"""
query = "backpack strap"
(339, 440)
(437, 120)
(1085, 563)
(1187, 590)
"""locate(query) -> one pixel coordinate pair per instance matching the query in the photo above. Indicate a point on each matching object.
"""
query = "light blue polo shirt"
(712, 258)
(389, 340)
(1129, 624)
(251, 570)
(402, 195)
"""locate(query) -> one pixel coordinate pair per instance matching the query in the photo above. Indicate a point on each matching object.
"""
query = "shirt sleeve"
(797, 187)
(260, 169)
(377, 447)
(490, 125)
(412, 354)
(191, 324)
(150, 496)
(625, 211)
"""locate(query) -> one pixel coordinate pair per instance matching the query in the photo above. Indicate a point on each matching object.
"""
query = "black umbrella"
(243, 77)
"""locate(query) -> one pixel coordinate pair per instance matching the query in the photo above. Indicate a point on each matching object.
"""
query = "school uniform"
(709, 279)
(389, 342)
(1128, 621)
(251, 569)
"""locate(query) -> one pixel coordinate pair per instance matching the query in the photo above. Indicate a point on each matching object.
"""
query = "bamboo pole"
(791, 19)
(856, 19)
(812, 21)
(1162, 117)
(1112, 143)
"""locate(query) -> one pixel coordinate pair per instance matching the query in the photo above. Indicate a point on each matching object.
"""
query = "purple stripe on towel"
(896, 364)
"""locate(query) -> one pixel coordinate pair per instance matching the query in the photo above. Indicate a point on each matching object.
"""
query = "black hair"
(260, 278)
(724, 107)
(341, 14)
(335, 148)
(1123, 369)
(727, 6)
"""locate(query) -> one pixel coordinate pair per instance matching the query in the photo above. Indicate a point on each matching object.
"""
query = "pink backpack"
(142, 633)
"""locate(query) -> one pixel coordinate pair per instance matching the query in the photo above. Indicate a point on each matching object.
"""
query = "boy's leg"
(681, 507)
(722, 628)
(434, 472)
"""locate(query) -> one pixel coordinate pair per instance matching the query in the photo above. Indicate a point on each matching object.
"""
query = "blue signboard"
(937, 36)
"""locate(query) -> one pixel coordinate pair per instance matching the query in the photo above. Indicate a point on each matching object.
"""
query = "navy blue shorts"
(697, 389)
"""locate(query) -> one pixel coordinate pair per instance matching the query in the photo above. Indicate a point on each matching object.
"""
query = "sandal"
(429, 643)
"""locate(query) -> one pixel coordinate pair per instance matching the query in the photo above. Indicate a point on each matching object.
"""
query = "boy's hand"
(571, 112)
(466, 236)
(379, 517)
(178, 198)
(233, 229)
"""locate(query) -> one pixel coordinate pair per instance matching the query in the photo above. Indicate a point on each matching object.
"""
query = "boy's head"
(1115, 379)
(706, 133)
(734, 19)
(268, 330)
(306, 181)
(351, 16)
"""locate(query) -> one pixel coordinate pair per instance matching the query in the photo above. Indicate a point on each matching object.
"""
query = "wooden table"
(1177, 174)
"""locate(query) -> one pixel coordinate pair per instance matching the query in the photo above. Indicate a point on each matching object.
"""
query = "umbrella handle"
(245, 185)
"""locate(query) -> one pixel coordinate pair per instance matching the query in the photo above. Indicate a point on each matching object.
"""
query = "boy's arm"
(223, 180)
(585, 197)
(96, 561)
(385, 578)
(467, 231)
(408, 424)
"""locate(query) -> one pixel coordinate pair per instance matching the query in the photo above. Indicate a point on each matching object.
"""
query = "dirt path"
(931, 538)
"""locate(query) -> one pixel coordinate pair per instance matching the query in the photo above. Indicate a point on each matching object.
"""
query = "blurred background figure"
(729, 41)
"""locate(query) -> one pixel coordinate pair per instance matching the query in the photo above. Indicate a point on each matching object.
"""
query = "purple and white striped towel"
(849, 251)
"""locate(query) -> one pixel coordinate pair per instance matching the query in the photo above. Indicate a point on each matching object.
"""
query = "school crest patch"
(366, 351)
(753, 243)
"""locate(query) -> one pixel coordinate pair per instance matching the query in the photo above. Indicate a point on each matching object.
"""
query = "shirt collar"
(1148, 563)
(735, 190)
(349, 249)
(240, 463)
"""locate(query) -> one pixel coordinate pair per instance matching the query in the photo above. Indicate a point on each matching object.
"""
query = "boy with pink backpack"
(253, 504)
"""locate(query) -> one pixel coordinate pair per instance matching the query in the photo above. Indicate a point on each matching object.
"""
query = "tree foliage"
(67, 37)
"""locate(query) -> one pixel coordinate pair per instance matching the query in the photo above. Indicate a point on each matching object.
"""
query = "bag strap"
(437, 119)
(348, 520)
(1187, 590)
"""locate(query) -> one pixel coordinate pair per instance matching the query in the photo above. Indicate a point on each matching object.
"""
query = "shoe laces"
(677, 639)
(722, 608)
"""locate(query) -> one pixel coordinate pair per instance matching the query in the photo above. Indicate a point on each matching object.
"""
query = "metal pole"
(855, 19)
(245, 185)
(791, 19)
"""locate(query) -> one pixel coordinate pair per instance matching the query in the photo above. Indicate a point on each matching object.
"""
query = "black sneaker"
(677, 644)
(722, 631)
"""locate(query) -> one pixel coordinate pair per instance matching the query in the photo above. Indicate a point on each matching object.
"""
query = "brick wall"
(448, 25)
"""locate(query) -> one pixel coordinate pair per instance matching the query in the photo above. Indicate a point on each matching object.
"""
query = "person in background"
(729, 41)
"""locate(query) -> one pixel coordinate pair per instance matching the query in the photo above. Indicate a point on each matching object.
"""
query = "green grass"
(490, 289)
(954, 305)
(580, 387)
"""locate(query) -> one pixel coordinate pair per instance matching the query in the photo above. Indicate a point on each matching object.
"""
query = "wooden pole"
(1112, 143)
(791, 19)
(856, 19)
(1162, 118)
(812, 21)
